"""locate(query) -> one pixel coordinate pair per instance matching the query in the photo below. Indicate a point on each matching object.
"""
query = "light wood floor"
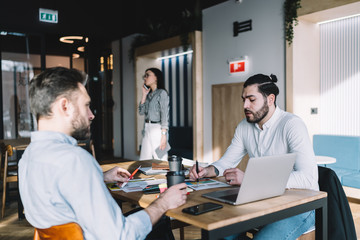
(13, 229)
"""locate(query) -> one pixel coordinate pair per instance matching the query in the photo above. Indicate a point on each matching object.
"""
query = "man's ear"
(64, 106)
(271, 99)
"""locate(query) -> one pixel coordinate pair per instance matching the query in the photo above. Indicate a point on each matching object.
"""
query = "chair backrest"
(68, 231)
(88, 145)
(340, 220)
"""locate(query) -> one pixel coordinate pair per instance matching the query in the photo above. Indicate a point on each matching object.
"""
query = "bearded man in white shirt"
(268, 130)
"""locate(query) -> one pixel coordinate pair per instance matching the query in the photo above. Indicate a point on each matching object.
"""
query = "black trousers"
(161, 230)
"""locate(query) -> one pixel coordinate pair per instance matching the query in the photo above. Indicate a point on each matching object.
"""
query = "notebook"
(264, 177)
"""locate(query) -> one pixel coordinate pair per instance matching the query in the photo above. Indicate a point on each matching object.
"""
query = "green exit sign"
(47, 15)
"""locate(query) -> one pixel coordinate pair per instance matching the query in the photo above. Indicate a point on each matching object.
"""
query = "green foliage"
(290, 12)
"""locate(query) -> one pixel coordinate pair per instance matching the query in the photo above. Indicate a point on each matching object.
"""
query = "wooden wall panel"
(227, 112)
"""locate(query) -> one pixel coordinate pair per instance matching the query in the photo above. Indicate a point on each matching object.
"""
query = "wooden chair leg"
(175, 224)
(182, 233)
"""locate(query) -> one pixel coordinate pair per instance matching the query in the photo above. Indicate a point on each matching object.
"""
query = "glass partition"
(20, 61)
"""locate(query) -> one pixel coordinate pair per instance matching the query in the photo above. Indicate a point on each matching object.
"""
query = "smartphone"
(202, 208)
(151, 189)
(146, 87)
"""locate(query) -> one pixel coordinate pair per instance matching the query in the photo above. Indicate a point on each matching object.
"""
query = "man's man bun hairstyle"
(266, 84)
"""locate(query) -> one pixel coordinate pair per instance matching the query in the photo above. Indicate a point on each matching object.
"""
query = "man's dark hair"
(159, 76)
(266, 84)
(46, 87)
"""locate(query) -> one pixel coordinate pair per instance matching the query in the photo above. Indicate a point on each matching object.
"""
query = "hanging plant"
(290, 12)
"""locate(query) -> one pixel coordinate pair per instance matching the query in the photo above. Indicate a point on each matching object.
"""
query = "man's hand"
(234, 176)
(173, 197)
(203, 172)
(116, 174)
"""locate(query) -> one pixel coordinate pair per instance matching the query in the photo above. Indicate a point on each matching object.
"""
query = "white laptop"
(264, 177)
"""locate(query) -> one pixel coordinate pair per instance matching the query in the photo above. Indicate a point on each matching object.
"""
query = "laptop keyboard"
(231, 198)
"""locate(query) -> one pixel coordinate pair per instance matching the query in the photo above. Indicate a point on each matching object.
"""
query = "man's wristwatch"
(163, 133)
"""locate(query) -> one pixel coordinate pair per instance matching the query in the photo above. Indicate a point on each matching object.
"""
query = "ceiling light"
(75, 55)
(337, 19)
(70, 39)
(81, 49)
(174, 55)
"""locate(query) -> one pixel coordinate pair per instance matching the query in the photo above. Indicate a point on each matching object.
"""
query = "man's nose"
(246, 104)
(91, 115)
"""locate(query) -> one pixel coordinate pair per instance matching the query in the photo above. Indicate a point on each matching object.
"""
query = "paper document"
(190, 162)
(161, 153)
(150, 171)
(135, 185)
(205, 183)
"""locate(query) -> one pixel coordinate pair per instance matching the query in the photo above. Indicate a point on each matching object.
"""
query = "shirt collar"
(272, 120)
(52, 136)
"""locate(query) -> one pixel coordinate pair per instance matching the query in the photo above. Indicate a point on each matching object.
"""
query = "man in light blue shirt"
(60, 182)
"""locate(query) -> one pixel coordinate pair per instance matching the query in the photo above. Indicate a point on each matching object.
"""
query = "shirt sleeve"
(143, 108)
(97, 212)
(305, 173)
(233, 154)
(164, 110)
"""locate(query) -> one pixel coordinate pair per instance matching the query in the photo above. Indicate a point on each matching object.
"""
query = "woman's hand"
(163, 142)
(116, 174)
(145, 92)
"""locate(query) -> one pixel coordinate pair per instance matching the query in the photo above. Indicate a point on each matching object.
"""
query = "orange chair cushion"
(68, 231)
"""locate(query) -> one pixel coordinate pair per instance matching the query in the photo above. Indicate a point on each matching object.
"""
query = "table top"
(229, 214)
(325, 160)
(17, 144)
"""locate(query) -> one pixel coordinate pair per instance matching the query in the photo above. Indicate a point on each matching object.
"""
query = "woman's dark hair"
(159, 76)
(266, 84)
(46, 87)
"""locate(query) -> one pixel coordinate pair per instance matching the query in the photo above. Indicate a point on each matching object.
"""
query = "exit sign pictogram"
(237, 66)
(47, 15)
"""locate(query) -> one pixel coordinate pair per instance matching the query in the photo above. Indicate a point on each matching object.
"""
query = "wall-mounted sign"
(47, 15)
(237, 66)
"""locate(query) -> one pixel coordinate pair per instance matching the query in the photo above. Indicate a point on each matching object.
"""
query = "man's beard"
(81, 129)
(259, 115)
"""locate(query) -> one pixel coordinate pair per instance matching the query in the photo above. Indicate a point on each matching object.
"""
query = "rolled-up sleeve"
(305, 174)
(164, 110)
(142, 108)
(100, 217)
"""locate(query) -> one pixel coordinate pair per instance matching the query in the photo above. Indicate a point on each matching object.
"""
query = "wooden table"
(235, 219)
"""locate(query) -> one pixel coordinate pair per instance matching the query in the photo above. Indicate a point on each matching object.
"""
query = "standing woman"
(155, 106)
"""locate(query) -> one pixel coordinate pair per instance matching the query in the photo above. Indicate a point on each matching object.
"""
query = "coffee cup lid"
(174, 158)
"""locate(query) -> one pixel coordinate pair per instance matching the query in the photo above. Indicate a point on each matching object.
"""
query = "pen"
(197, 171)
(131, 176)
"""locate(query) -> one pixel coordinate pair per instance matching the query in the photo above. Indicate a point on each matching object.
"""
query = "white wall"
(306, 74)
(264, 47)
(129, 104)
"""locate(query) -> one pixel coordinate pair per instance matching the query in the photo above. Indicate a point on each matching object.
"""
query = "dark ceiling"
(102, 20)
